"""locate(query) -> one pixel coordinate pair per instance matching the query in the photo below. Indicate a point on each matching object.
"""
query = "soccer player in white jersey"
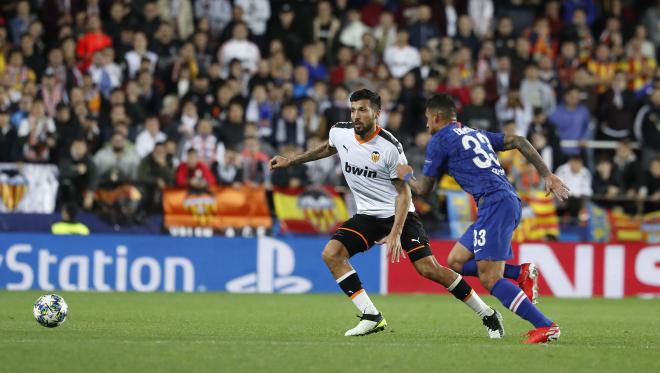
(369, 156)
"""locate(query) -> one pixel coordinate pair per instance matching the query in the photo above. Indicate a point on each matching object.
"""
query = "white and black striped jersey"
(369, 168)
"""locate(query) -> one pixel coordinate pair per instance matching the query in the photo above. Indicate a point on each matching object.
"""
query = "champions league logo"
(13, 186)
(319, 208)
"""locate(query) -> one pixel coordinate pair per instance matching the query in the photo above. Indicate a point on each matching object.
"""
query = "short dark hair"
(443, 103)
(365, 94)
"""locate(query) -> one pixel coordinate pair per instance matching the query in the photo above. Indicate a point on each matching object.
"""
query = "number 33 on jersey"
(470, 157)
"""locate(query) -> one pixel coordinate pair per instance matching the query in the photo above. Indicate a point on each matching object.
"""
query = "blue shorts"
(489, 238)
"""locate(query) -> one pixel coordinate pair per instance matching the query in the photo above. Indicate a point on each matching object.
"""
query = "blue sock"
(511, 271)
(515, 299)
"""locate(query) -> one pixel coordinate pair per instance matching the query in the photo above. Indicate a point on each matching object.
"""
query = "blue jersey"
(469, 157)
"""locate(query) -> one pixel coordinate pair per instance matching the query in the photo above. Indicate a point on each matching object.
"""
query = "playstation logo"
(275, 264)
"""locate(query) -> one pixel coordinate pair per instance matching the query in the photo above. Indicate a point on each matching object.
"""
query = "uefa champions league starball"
(50, 310)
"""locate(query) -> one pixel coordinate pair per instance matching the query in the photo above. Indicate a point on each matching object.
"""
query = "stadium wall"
(293, 265)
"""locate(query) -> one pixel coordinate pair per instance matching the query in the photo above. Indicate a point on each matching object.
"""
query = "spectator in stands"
(259, 110)
(312, 62)
(584, 82)
(481, 13)
(19, 24)
(239, 47)
(567, 63)
(117, 160)
(288, 130)
(139, 54)
(351, 33)
(647, 128)
(384, 32)
(105, 73)
(67, 128)
(93, 41)
(426, 68)
(155, 173)
(625, 162)
(325, 171)
(254, 163)
(231, 131)
(650, 187)
(36, 134)
(33, 59)
(536, 93)
(194, 174)
(572, 121)
(543, 137)
(24, 108)
(602, 67)
(478, 114)
(204, 142)
(149, 137)
(617, 110)
(8, 139)
(423, 29)
(179, 13)
(17, 75)
(229, 169)
(257, 13)
(578, 179)
(505, 41)
(79, 176)
(69, 224)
(465, 36)
(292, 177)
(188, 120)
(401, 57)
(511, 108)
(218, 12)
(200, 94)
(51, 92)
(607, 184)
(302, 84)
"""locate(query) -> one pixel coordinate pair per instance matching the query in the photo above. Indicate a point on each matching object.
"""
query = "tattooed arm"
(553, 184)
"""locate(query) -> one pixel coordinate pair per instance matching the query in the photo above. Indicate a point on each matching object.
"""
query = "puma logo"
(415, 240)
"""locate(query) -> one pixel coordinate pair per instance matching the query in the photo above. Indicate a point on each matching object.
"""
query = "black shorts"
(361, 231)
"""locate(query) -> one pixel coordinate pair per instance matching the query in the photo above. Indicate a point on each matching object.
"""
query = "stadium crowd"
(129, 97)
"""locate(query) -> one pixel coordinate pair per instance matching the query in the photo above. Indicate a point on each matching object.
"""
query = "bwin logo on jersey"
(359, 171)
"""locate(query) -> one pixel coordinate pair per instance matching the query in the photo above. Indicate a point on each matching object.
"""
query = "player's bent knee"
(333, 254)
(425, 269)
(455, 265)
(488, 281)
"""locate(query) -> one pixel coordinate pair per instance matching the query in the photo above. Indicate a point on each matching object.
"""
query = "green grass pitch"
(218, 332)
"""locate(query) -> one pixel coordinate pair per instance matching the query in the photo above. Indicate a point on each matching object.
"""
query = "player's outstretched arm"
(402, 204)
(322, 151)
(553, 184)
(420, 187)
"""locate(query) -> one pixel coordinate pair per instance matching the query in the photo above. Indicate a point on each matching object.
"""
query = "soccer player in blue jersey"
(470, 157)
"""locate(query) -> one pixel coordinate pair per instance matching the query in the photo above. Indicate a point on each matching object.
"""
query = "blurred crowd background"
(130, 97)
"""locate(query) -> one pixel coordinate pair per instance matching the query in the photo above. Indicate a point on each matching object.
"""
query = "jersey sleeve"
(395, 157)
(496, 140)
(330, 135)
(436, 159)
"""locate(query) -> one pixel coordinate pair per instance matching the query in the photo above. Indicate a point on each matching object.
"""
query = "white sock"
(363, 303)
(473, 300)
(479, 306)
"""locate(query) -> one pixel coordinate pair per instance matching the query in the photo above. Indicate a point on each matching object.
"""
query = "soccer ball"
(50, 310)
